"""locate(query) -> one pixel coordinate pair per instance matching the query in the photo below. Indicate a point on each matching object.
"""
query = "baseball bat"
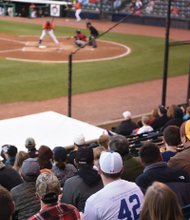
(52, 19)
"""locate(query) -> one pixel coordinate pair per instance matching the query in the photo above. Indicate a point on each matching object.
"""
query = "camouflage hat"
(47, 183)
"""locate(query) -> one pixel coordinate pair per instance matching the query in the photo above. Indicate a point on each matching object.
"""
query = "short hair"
(160, 203)
(6, 204)
(120, 144)
(97, 152)
(172, 135)
(149, 153)
(104, 140)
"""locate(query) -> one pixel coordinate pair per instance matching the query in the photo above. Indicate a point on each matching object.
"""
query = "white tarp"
(47, 128)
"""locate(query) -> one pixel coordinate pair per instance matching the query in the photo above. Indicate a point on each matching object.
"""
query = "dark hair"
(45, 157)
(149, 153)
(119, 144)
(172, 135)
(50, 198)
(178, 112)
(59, 154)
(6, 204)
(12, 150)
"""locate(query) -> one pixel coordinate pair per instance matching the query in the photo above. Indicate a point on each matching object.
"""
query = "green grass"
(21, 81)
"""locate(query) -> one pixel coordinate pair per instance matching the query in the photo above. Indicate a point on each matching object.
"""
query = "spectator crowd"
(102, 180)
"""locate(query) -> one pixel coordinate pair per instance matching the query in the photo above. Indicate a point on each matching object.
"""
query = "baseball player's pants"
(77, 14)
(80, 43)
(51, 34)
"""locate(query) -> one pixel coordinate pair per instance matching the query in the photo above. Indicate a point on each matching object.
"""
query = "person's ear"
(99, 170)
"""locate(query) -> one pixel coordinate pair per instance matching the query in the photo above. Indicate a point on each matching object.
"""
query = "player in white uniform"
(119, 199)
(48, 28)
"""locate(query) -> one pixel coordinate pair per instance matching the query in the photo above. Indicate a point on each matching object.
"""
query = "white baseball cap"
(79, 139)
(127, 115)
(110, 162)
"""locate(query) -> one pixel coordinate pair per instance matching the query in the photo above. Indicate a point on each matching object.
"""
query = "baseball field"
(29, 73)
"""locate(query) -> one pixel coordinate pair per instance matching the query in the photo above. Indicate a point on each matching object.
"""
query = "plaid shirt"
(60, 211)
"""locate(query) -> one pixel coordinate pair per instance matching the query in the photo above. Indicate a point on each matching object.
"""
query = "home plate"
(42, 46)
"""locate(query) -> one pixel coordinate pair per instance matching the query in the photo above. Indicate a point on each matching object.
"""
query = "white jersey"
(117, 200)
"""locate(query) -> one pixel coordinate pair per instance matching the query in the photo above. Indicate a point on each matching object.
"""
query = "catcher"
(80, 39)
(48, 28)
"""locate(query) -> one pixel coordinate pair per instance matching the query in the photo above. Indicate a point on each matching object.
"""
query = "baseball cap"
(47, 183)
(127, 115)
(30, 143)
(187, 129)
(162, 109)
(110, 162)
(30, 167)
(79, 139)
(59, 154)
(84, 156)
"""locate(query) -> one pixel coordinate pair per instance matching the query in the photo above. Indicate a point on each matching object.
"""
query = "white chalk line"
(127, 52)
(11, 50)
(12, 40)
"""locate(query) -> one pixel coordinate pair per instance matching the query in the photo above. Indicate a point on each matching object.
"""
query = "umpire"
(93, 34)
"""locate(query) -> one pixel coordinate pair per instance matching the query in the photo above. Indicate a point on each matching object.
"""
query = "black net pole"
(166, 55)
(70, 85)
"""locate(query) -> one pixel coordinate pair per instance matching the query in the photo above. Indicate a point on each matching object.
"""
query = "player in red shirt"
(80, 39)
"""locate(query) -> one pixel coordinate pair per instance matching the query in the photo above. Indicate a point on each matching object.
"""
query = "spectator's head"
(150, 154)
(30, 143)
(172, 136)
(48, 188)
(97, 152)
(185, 132)
(45, 157)
(30, 169)
(127, 115)
(20, 157)
(60, 157)
(84, 157)
(7, 206)
(154, 112)
(110, 165)
(162, 110)
(119, 144)
(170, 111)
(144, 120)
(9, 150)
(160, 203)
(178, 112)
(104, 140)
(79, 140)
